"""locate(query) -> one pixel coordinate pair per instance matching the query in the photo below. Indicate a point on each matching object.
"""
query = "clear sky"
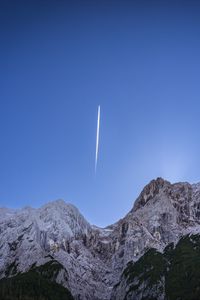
(59, 60)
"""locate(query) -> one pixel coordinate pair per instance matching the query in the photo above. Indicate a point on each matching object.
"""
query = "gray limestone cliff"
(95, 258)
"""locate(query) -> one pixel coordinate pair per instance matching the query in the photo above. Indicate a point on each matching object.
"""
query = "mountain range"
(153, 253)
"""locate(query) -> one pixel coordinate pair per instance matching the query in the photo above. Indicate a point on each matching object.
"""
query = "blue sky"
(58, 61)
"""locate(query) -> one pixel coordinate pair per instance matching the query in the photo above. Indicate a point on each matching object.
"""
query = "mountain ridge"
(96, 257)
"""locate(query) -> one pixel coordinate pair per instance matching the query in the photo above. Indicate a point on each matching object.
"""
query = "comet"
(97, 138)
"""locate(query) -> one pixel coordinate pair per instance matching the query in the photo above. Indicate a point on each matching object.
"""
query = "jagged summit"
(60, 205)
(149, 191)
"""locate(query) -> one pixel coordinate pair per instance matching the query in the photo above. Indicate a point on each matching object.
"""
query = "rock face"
(95, 258)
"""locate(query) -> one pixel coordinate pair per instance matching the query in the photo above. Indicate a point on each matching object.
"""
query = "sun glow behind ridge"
(175, 163)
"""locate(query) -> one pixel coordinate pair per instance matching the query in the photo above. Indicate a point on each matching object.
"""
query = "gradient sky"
(140, 60)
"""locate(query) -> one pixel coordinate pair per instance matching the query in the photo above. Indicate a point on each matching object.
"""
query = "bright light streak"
(97, 138)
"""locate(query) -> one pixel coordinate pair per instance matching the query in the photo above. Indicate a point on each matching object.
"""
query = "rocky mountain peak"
(150, 191)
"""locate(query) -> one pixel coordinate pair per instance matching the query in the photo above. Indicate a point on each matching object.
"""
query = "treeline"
(35, 284)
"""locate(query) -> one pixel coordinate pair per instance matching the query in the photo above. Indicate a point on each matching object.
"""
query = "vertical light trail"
(97, 138)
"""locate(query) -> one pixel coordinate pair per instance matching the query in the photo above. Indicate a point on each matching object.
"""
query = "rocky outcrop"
(150, 191)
